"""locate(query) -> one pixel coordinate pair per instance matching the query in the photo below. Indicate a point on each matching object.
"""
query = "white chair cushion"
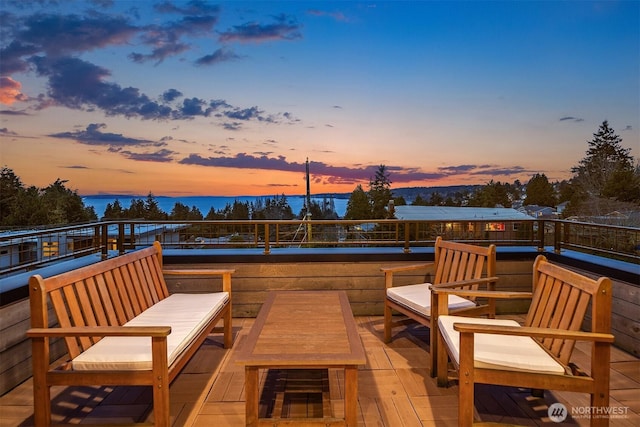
(418, 298)
(499, 351)
(187, 314)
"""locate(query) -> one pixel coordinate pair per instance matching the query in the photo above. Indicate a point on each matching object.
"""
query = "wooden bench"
(116, 318)
(456, 265)
(536, 355)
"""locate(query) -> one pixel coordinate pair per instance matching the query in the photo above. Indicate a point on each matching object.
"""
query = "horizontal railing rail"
(25, 250)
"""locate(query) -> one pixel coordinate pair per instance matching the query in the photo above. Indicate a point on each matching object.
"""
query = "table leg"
(351, 396)
(251, 393)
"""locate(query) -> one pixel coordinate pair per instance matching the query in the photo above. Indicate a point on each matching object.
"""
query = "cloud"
(10, 91)
(13, 113)
(193, 7)
(571, 119)
(79, 84)
(165, 39)
(171, 95)
(489, 170)
(338, 16)
(49, 44)
(162, 156)
(7, 132)
(331, 174)
(93, 136)
(220, 55)
(58, 35)
(284, 28)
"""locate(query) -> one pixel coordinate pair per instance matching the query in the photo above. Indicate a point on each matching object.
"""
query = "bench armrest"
(224, 272)
(101, 331)
(533, 332)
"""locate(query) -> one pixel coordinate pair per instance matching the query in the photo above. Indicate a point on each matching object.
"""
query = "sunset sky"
(230, 98)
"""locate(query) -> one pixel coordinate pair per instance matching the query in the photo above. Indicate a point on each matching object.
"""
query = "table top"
(303, 328)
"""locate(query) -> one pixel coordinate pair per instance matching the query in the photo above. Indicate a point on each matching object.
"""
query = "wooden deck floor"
(395, 389)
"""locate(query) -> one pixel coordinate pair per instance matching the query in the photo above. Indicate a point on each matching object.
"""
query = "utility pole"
(308, 212)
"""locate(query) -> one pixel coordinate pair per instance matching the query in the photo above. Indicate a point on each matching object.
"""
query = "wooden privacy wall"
(363, 282)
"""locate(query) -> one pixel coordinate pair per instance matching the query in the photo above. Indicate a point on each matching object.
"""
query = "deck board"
(395, 390)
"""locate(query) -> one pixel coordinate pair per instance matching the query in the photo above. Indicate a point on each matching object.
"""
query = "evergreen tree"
(491, 195)
(380, 193)
(540, 191)
(179, 211)
(358, 206)
(114, 211)
(152, 209)
(605, 157)
(136, 209)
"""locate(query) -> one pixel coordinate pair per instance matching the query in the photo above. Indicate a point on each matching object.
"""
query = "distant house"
(539, 211)
(502, 223)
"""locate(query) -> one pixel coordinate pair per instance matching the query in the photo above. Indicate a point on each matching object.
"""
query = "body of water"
(203, 203)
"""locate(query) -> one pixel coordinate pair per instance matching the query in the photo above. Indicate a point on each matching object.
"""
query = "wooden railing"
(25, 250)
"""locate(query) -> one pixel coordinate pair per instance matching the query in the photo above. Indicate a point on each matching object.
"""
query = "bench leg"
(160, 368)
(41, 390)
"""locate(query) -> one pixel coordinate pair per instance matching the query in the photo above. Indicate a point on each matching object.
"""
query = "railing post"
(541, 235)
(557, 237)
(121, 238)
(563, 235)
(132, 235)
(105, 240)
(407, 233)
(267, 248)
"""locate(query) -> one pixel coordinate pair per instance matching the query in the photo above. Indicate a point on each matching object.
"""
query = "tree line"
(606, 179)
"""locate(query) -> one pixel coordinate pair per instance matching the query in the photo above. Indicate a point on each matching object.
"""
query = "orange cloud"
(10, 91)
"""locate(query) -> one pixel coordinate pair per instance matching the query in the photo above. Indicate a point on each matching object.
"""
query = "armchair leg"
(442, 362)
(228, 329)
(433, 344)
(387, 323)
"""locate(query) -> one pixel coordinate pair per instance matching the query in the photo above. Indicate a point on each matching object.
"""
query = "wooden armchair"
(535, 355)
(457, 265)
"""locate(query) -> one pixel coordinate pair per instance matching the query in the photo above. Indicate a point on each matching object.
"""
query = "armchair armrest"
(460, 283)
(484, 294)
(388, 271)
(533, 332)
(406, 267)
(101, 331)
(224, 272)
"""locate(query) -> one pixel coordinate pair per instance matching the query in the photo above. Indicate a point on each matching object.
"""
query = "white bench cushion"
(499, 351)
(187, 314)
(418, 298)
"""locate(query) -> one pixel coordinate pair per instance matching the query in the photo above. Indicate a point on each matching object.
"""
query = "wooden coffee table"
(303, 330)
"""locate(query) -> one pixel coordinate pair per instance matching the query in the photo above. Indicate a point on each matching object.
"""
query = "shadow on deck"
(395, 390)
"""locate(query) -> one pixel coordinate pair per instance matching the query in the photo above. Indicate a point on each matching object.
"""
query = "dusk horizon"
(196, 98)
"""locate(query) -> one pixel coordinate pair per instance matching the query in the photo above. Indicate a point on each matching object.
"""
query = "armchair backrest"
(561, 299)
(459, 261)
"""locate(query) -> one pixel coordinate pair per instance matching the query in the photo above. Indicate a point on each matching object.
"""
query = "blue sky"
(230, 98)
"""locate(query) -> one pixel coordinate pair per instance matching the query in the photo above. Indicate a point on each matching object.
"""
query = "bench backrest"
(459, 261)
(107, 293)
(561, 299)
